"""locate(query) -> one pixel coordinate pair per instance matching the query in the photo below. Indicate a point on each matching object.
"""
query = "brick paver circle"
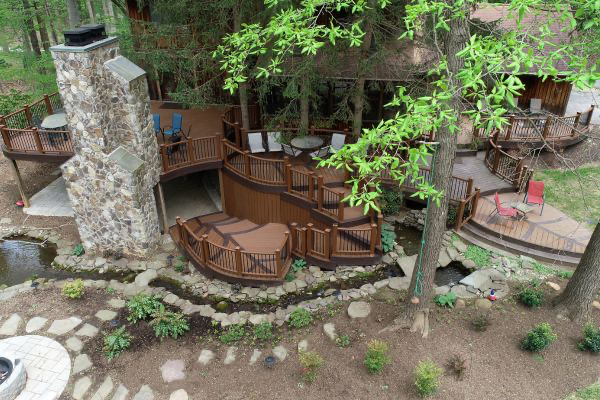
(47, 363)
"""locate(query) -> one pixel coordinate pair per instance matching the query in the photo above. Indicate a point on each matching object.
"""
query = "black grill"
(84, 35)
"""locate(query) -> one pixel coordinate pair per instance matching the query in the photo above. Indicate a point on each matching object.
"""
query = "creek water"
(409, 238)
(451, 274)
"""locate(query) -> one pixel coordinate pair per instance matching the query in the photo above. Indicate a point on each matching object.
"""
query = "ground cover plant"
(531, 297)
(168, 324)
(446, 300)
(116, 342)
(376, 358)
(540, 337)
(388, 238)
(78, 250)
(478, 255)
(234, 333)
(311, 362)
(427, 375)
(142, 306)
(74, 290)
(300, 317)
(591, 339)
(263, 331)
(391, 201)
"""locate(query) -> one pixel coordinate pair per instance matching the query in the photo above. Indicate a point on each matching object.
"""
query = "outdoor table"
(522, 208)
(54, 122)
(307, 144)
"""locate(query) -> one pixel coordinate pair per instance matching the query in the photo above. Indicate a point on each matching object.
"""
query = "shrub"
(298, 265)
(168, 323)
(479, 256)
(263, 331)
(311, 362)
(142, 306)
(234, 333)
(459, 364)
(445, 300)
(376, 357)
(427, 376)
(540, 337)
(78, 250)
(391, 201)
(300, 317)
(531, 297)
(343, 341)
(452, 214)
(74, 290)
(116, 342)
(591, 339)
(179, 266)
(388, 238)
(481, 322)
(290, 276)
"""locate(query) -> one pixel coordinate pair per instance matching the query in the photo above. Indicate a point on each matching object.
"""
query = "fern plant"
(168, 324)
(116, 342)
(142, 306)
(388, 238)
(445, 300)
(78, 250)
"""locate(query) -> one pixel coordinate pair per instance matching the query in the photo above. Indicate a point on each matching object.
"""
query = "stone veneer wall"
(110, 179)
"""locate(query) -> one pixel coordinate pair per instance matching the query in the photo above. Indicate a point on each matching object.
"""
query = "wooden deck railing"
(36, 140)
(510, 168)
(190, 152)
(232, 122)
(257, 169)
(325, 134)
(32, 115)
(235, 262)
(467, 209)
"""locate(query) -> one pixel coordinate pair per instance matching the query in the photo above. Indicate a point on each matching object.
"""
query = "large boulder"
(444, 260)
(359, 309)
(407, 264)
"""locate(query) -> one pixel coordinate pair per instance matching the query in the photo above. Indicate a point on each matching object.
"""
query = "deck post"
(589, 119)
(469, 186)
(288, 174)
(379, 227)
(320, 192)
(347, 177)
(278, 264)
(303, 244)
(15, 168)
(311, 186)
(5, 137)
(547, 127)
(340, 206)
(219, 146)
(36, 138)
(333, 238)
(48, 105)
(373, 239)
(163, 157)
(190, 150)
(511, 123)
(575, 123)
(180, 230)
(309, 237)
(238, 138)
(163, 207)
(204, 241)
(28, 115)
(247, 163)
(326, 244)
(460, 215)
(294, 240)
(238, 260)
(475, 202)
(496, 158)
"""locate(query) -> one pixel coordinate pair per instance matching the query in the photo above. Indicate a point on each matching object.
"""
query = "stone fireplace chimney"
(110, 179)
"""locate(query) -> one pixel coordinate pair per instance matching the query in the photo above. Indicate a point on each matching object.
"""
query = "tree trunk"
(42, 27)
(51, 22)
(243, 87)
(109, 16)
(419, 298)
(359, 89)
(33, 39)
(26, 43)
(304, 103)
(90, 9)
(576, 299)
(73, 12)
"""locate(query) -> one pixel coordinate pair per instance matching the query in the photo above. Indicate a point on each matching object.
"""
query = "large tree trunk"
(90, 9)
(33, 39)
(576, 299)
(42, 27)
(73, 12)
(51, 22)
(243, 87)
(109, 15)
(359, 89)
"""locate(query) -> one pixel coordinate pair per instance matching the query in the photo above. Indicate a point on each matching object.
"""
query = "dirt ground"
(35, 177)
(498, 368)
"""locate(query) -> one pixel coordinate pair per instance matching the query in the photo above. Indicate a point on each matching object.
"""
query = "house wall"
(554, 95)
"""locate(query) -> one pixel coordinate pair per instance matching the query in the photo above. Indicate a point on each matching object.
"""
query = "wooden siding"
(554, 95)
(244, 202)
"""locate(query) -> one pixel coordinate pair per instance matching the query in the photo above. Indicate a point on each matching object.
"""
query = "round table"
(54, 121)
(307, 144)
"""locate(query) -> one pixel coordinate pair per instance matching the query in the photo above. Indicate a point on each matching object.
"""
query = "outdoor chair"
(255, 141)
(510, 212)
(273, 141)
(290, 151)
(535, 105)
(337, 142)
(157, 128)
(175, 128)
(535, 194)
(321, 153)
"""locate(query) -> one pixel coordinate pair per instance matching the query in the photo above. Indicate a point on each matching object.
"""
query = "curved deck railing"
(190, 152)
(235, 262)
(510, 168)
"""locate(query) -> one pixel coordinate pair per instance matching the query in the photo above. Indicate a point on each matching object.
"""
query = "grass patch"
(591, 392)
(479, 256)
(546, 270)
(563, 189)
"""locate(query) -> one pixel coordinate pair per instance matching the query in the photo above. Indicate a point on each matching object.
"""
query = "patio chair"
(290, 151)
(255, 141)
(510, 212)
(321, 153)
(273, 141)
(175, 128)
(535, 105)
(156, 120)
(337, 142)
(535, 194)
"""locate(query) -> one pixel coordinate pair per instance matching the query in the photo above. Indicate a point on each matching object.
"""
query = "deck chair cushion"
(255, 142)
(273, 141)
(337, 142)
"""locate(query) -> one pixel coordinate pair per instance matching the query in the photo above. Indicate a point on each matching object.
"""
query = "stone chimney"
(111, 178)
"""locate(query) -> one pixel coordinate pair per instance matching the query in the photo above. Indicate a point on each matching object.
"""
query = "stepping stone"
(553, 285)
(121, 393)
(596, 305)
(280, 352)
(399, 283)
(104, 389)
(35, 324)
(11, 325)
(87, 330)
(179, 395)
(81, 387)
(359, 309)
(255, 355)
(329, 330)
(74, 344)
(145, 393)
(302, 345)
(106, 315)
(205, 356)
(116, 303)
(82, 362)
(172, 370)
(230, 355)
(63, 326)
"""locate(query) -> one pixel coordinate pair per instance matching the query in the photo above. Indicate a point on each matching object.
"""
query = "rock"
(63, 326)
(230, 357)
(35, 324)
(300, 284)
(11, 325)
(460, 303)
(106, 315)
(171, 298)
(494, 274)
(104, 390)
(173, 370)
(476, 279)
(74, 344)
(452, 253)
(399, 283)
(469, 264)
(302, 345)
(121, 393)
(145, 393)
(82, 362)
(596, 305)
(553, 285)
(442, 289)
(289, 287)
(483, 304)
(462, 292)
(444, 260)
(255, 355)
(87, 330)
(207, 311)
(221, 306)
(81, 387)
(280, 352)
(407, 264)
(359, 309)
(386, 259)
(100, 262)
(329, 330)
(146, 277)
(205, 356)
(460, 246)
(381, 284)
(256, 319)
(179, 395)
(136, 265)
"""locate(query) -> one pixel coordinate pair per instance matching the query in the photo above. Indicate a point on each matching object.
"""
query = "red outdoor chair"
(535, 194)
(503, 211)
